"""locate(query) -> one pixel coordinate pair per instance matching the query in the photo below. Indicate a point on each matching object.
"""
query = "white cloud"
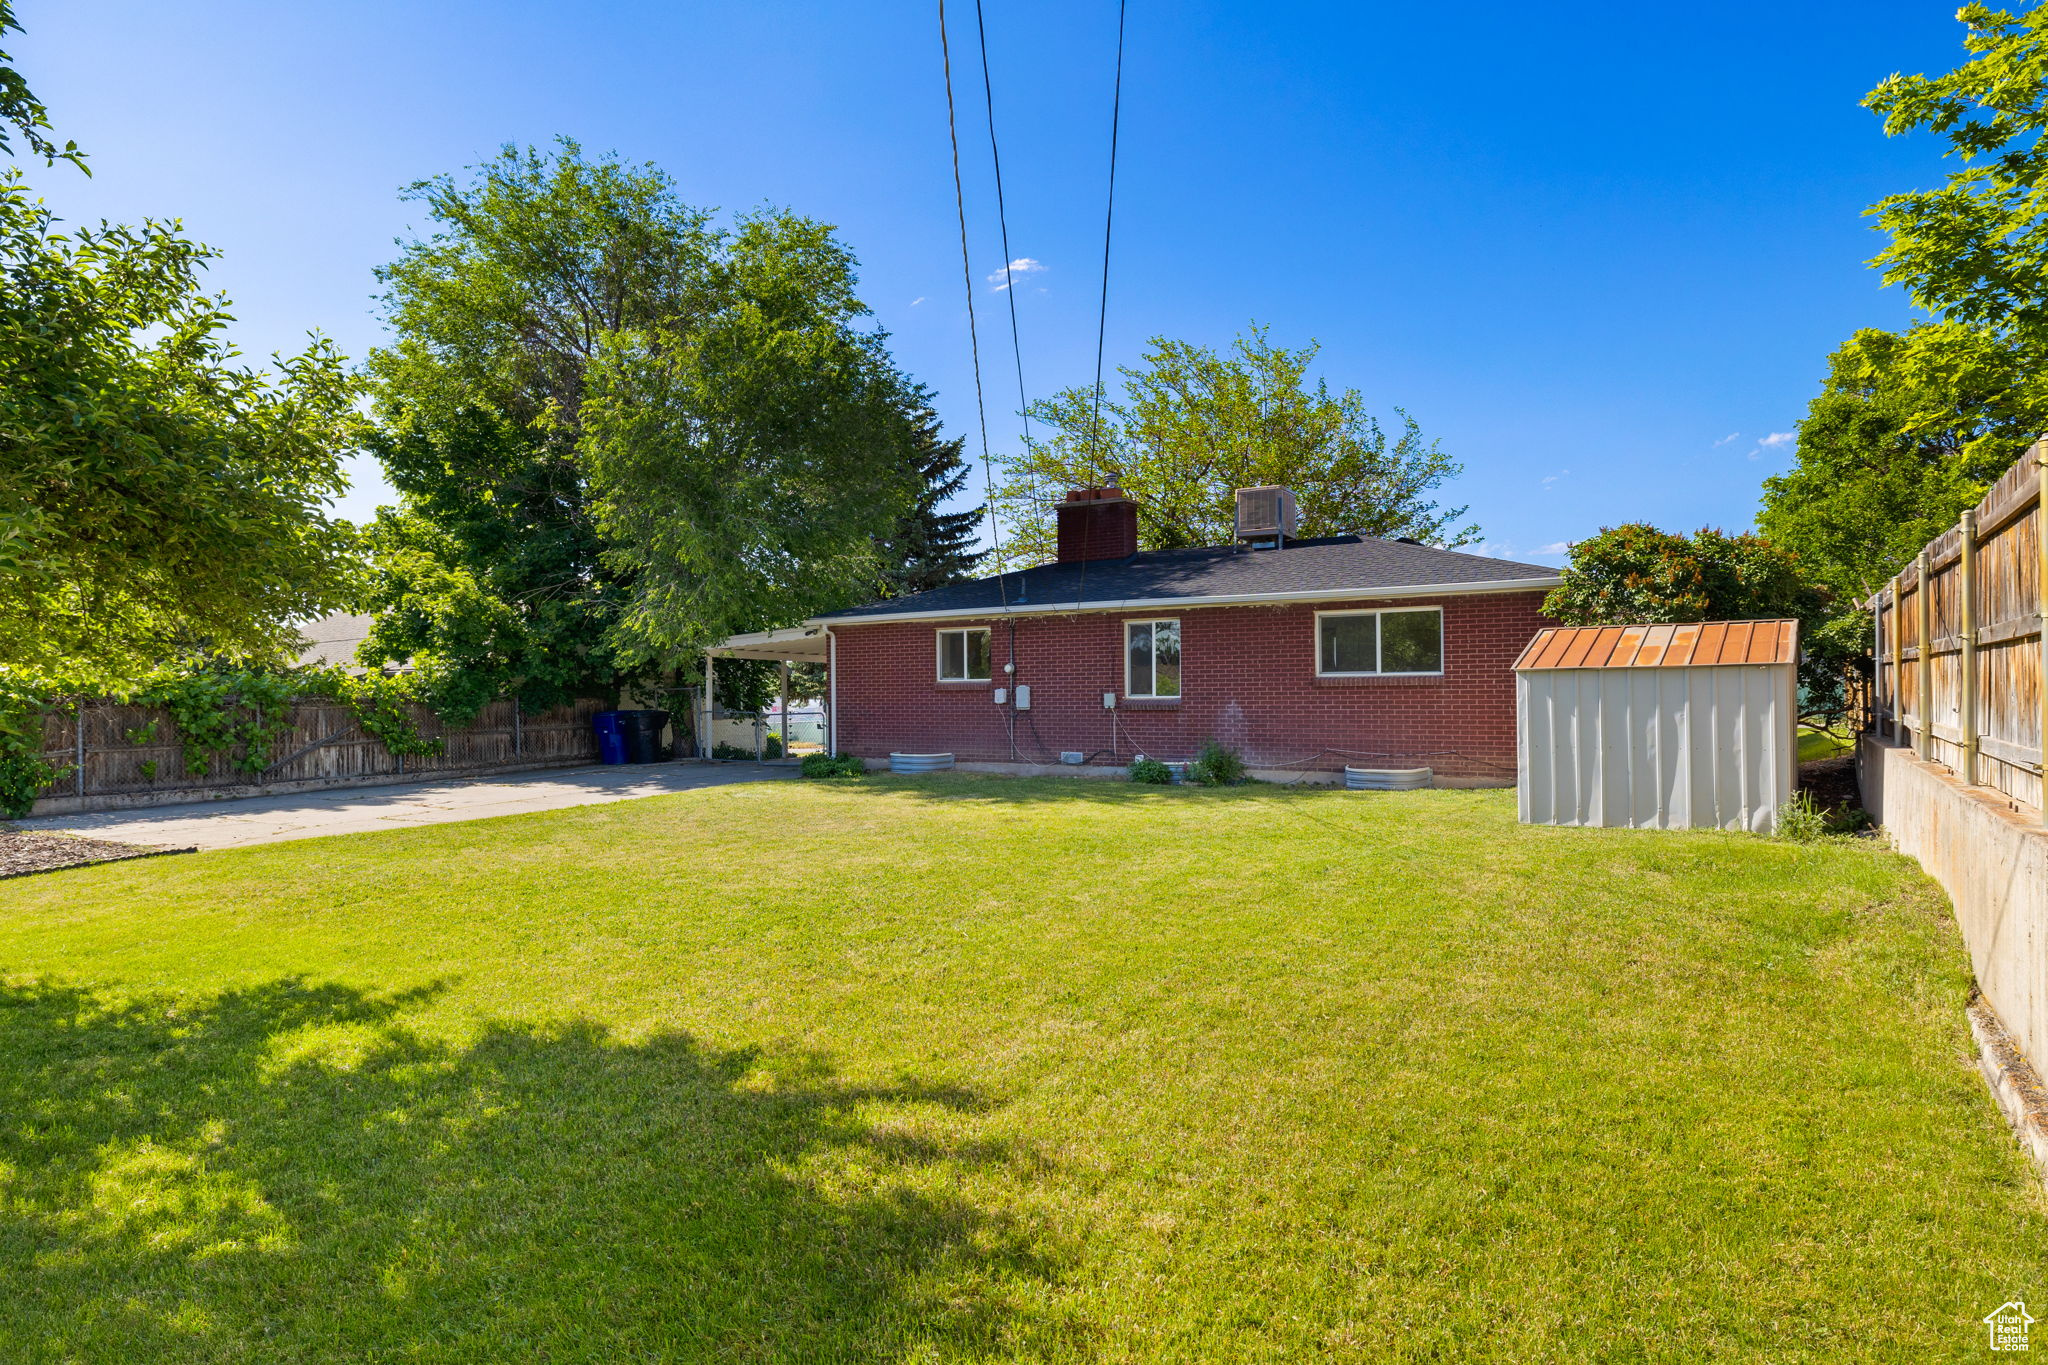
(1023, 265)
(1549, 479)
(1773, 441)
(1556, 547)
(916, 301)
(1731, 436)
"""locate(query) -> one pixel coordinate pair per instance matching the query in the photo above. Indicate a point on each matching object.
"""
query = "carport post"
(784, 666)
(710, 703)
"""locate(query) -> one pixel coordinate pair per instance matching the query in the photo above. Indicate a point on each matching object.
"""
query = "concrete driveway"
(350, 810)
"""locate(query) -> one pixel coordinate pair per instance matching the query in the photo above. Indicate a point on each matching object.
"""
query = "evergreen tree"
(932, 547)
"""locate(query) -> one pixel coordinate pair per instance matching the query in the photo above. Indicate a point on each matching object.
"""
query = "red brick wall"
(1248, 678)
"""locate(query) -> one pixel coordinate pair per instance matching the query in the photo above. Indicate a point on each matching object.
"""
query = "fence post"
(78, 750)
(1923, 681)
(518, 737)
(1898, 662)
(1966, 701)
(2041, 602)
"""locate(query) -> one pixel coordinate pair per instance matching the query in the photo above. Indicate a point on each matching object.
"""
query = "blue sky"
(1600, 252)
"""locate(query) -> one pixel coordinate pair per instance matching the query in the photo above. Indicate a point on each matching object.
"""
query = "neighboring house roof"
(1694, 645)
(1301, 570)
(333, 639)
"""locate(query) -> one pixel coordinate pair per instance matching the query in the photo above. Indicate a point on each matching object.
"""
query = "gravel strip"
(23, 853)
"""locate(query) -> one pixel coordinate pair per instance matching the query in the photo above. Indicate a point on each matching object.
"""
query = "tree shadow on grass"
(290, 1173)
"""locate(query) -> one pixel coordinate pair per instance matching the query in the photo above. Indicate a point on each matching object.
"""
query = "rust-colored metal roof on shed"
(1697, 645)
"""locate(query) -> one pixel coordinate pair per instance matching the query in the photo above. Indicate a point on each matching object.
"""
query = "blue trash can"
(611, 737)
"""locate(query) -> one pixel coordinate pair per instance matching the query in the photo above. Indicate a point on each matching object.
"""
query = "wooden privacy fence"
(118, 755)
(1958, 640)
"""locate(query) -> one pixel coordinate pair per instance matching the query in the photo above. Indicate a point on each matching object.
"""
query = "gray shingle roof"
(1303, 568)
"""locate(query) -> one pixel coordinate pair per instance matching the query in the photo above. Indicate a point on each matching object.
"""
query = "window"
(1369, 642)
(1152, 658)
(963, 655)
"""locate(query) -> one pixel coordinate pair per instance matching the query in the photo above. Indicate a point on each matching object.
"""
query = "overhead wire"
(1009, 275)
(974, 332)
(967, 279)
(995, 153)
(1116, 110)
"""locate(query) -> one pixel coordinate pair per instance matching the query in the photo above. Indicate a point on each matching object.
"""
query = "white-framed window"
(964, 655)
(1389, 640)
(1152, 658)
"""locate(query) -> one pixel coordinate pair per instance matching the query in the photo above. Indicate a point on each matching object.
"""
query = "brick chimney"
(1097, 523)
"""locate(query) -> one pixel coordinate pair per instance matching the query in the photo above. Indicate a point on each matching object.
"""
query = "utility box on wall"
(1658, 726)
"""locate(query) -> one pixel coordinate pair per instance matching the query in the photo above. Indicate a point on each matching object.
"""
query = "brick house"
(1303, 655)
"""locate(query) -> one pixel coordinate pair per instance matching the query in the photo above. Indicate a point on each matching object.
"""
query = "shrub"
(724, 750)
(1216, 766)
(822, 765)
(1849, 820)
(1150, 770)
(1801, 820)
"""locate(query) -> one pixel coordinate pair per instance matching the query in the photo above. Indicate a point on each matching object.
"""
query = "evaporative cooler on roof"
(1265, 514)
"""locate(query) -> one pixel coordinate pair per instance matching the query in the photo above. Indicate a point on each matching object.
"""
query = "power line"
(967, 278)
(988, 481)
(1003, 221)
(1108, 220)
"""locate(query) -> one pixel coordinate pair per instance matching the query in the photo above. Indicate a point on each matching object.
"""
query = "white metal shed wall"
(1657, 748)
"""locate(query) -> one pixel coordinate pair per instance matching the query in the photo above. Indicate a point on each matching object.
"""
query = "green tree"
(748, 459)
(619, 431)
(932, 547)
(490, 574)
(1638, 574)
(155, 496)
(1911, 427)
(1194, 425)
(1975, 251)
(1894, 448)
(24, 113)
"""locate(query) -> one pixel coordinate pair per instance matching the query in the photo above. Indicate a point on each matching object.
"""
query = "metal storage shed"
(1658, 727)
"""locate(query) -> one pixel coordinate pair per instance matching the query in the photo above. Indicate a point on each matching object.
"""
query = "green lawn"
(1815, 744)
(998, 1069)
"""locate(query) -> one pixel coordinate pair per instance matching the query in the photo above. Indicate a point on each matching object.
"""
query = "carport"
(789, 645)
